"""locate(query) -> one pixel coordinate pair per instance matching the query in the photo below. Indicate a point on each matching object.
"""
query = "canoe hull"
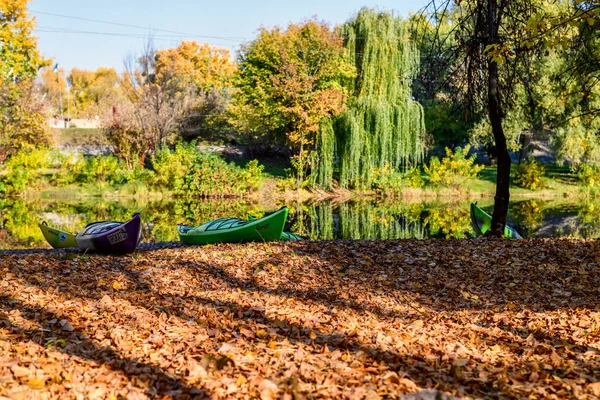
(482, 222)
(289, 236)
(56, 238)
(111, 237)
(233, 230)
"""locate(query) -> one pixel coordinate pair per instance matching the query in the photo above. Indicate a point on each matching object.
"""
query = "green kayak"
(482, 221)
(290, 236)
(235, 230)
(284, 235)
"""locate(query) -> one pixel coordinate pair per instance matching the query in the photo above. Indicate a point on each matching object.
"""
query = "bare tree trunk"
(495, 113)
(525, 146)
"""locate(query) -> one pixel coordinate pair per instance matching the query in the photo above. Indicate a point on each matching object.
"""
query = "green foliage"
(171, 166)
(288, 83)
(210, 175)
(253, 175)
(105, 170)
(383, 124)
(447, 123)
(186, 170)
(453, 169)
(23, 169)
(589, 175)
(413, 178)
(21, 110)
(388, 181)
(530, 175)
(481, 132)
(22, 119)
(19, 55)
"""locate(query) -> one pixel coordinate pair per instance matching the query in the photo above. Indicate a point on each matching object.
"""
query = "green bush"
(171, 166)
(210, 175)
(102, 170)
(387, 180)
(589, 175)
(414, 179)
(453, 169)
(253, 175)
(23, 169)
(530, 175)
(186, 170)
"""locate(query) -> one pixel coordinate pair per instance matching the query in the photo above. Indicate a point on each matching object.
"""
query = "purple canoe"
(111, 237)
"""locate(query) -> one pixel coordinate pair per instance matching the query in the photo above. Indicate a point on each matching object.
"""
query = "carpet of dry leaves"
(329, 319)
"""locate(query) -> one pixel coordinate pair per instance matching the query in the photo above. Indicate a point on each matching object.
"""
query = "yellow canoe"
(57, 238)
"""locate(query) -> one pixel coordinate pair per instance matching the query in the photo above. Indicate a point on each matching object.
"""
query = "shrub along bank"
(186, 171)
(181, 171)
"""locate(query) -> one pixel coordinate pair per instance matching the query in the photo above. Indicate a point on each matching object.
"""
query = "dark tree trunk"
(525, 146)
(495, 113)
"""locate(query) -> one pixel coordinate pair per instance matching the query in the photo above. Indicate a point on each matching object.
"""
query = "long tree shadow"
(411, 274)
(154, 380)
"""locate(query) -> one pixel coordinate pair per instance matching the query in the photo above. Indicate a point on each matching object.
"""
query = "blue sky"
(88, 45)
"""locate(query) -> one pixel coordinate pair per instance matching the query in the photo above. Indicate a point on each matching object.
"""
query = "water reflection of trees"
(589, 213)
(19, 218)
(386, 220)
(529, 215)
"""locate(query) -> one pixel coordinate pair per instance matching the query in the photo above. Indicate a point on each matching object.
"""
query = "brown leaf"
(19, 371)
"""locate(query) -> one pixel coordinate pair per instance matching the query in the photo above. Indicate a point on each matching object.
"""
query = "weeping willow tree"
(382, 124)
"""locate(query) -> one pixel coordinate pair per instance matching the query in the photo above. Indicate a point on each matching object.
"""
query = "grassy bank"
(187, 171)
(303, 320)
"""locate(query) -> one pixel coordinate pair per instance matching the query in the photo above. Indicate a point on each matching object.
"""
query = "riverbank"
(188, 171)
(328, 319)
(270, 189)
(367, 218)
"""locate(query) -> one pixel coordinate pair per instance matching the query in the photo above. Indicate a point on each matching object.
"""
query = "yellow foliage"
(206, 66)
(19, 56)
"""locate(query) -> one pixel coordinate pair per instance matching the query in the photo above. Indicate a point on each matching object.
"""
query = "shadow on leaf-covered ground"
(479, 318)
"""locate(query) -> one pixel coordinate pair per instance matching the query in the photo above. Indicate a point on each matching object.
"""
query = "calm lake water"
(19, 218)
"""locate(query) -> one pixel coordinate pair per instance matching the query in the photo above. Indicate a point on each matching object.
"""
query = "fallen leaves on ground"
(329, 319)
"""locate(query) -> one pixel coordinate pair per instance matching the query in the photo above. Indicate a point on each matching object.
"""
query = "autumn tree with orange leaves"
(208, 71)
(289, 82)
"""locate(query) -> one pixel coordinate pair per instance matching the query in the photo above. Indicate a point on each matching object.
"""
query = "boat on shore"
(482, 222)
(235, 230)
(107, 237)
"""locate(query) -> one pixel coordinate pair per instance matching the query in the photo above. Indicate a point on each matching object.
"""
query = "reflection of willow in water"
(19, 218)
(369, 221)
(358, 220)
